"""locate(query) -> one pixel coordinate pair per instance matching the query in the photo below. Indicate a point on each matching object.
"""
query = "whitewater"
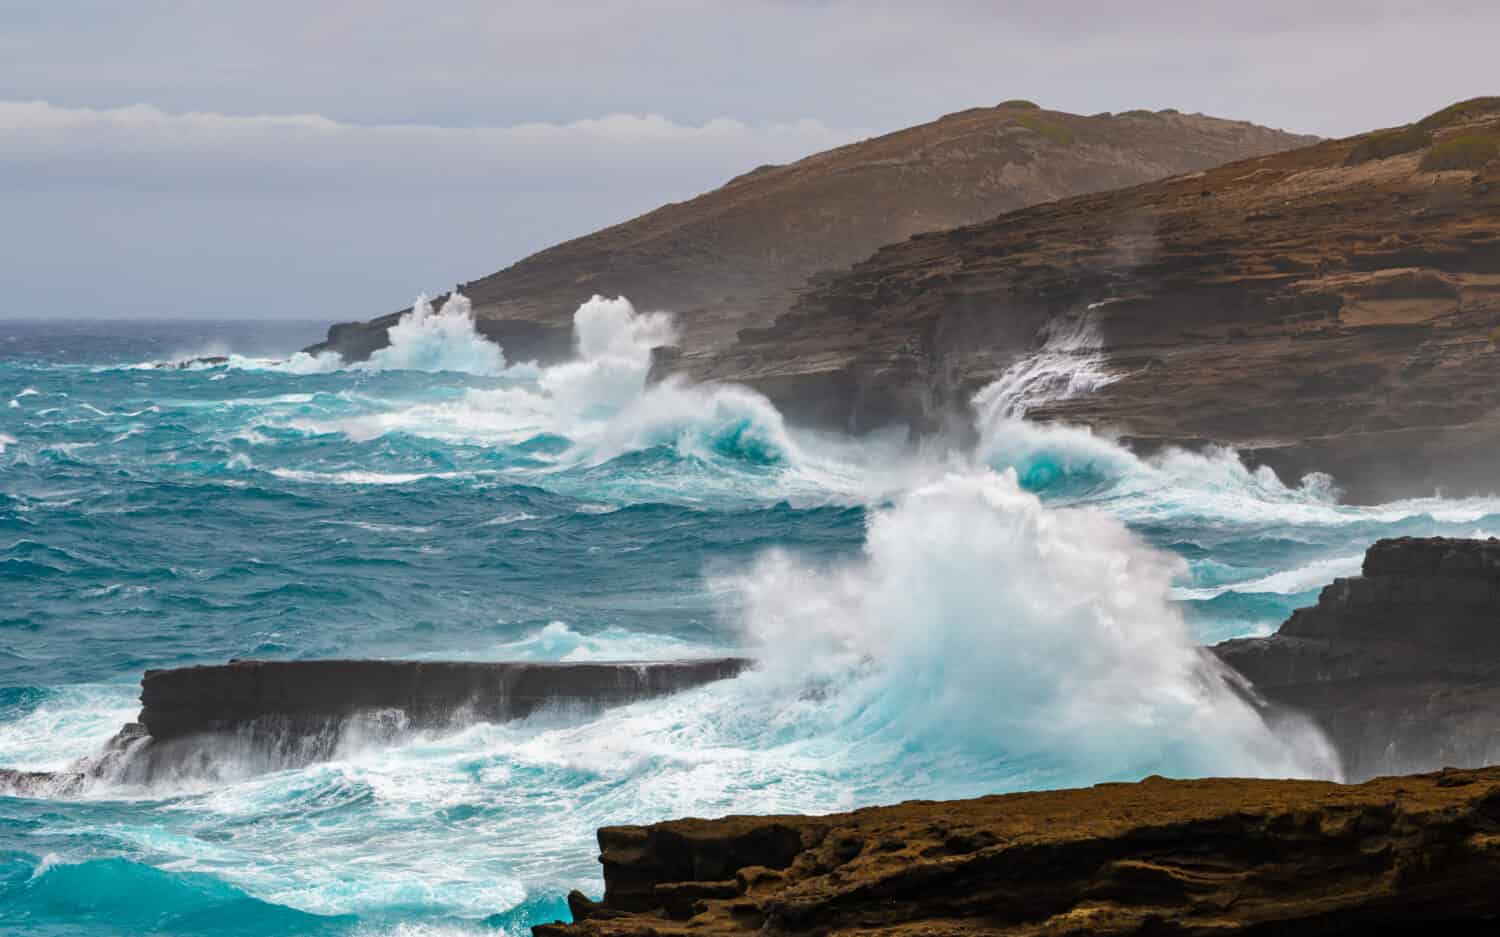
(1022, 612)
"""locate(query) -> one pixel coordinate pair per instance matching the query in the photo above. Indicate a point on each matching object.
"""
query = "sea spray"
(446, 340)
(472, 512)
(1069, 363)
(979, 619)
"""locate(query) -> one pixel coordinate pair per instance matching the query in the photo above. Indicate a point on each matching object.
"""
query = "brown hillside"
(736, 256)
(1335, 307)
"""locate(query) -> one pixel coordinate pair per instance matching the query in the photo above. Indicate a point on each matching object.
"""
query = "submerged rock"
(1183, 858)
(1400, 666)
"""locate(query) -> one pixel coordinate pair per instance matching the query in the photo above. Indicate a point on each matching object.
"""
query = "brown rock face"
(1214, 857)
(735, 257)
(1400, 667)
(1333, 307)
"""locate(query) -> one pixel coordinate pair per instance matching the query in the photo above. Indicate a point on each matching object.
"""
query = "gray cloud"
(152, 158)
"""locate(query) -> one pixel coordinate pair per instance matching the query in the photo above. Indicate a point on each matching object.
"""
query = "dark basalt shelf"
(205, 699)
(250, 716)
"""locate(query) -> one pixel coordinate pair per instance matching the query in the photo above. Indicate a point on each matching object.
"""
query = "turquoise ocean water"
(939, 620)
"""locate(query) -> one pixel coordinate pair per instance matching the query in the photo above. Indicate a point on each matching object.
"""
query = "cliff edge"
(1332, 308)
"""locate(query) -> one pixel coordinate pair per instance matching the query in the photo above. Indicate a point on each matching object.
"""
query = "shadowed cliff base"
(1334, 307)
(736, 257)
(1400, 667)
(1212, 857)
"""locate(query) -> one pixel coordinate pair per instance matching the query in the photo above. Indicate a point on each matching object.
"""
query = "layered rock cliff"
(1215, 857)
(736, 257)
(1335, 307)
(1400, 666)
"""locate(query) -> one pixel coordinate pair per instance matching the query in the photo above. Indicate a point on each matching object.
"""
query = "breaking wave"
(446, 340)
(932, 622)
(979, 620)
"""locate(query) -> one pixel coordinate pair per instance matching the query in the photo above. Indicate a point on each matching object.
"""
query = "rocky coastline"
(1400, 667)
(1160, 857)
(1331, 308)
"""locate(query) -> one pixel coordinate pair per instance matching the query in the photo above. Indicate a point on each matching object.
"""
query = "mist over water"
(1022, 614)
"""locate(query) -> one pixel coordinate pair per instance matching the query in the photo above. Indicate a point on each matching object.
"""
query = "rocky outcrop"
(1400, 666)
(227, 697)
(1334, 307)
(252, 716)
(736, 257)
(1213, 857)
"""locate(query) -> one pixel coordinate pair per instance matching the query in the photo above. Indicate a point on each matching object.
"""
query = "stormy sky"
(329, 159)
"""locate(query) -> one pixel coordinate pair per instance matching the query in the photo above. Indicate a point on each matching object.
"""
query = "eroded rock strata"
(1212, 857)
(1330, 308)
(1399, 666)
(736, 257)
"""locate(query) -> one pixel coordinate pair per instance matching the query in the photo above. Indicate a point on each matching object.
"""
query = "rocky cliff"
(1399, 666)
(1334, 307)
(735, 257)
(1216, 857)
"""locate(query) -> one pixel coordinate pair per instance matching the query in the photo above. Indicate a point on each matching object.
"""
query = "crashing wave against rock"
(1400, 666)
(249, 716)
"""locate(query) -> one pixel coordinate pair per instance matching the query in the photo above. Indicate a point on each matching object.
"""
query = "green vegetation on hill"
(1457, 113)
(1388, 143)
(1053, 131)
(1472, 151)
(1021, 104)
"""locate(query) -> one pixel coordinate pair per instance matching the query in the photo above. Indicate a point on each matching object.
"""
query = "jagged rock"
(1400, 666)
(736, 257)
(1213, 857)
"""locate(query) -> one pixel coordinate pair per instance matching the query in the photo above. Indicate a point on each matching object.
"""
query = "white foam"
(979, 617)
(1304, 578)
(447, 340)
(356, 477)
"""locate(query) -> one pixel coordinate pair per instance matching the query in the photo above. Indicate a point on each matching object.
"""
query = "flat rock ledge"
(252, 716)
(1212, 857)
(1400, 666)
(227, 697)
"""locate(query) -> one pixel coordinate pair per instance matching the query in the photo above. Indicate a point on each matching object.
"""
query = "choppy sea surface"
(934, 620)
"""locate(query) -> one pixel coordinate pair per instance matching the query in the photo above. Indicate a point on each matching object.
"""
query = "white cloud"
(139, 211)
(144, 141)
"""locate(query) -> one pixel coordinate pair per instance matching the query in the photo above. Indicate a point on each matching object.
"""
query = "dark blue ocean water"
(932, 622)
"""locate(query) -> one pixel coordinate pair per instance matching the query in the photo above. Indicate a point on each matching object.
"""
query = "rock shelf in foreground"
(1212, 857)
